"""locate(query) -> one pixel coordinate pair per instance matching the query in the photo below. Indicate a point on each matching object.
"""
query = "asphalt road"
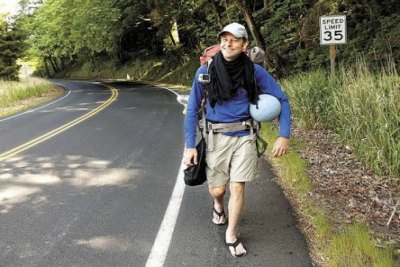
(93, 179)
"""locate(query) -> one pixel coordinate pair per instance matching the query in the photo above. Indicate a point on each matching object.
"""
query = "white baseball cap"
(238, 30)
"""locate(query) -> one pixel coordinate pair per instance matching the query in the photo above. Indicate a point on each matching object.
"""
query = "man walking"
(234, 82)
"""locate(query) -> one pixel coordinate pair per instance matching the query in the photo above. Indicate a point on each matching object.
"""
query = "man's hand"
(190, 156)
(281, 146)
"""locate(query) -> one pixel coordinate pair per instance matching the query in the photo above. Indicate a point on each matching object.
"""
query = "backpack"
(208, 53)
(255, 53)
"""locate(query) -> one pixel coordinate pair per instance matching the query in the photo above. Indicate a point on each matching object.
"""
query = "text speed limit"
(332, 30)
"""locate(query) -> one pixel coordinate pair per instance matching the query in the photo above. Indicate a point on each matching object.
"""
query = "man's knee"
(237, 188)
(217, 191)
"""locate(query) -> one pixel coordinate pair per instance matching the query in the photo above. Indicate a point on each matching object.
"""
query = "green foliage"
(373, 31)
(11, 48)
(94, 25)
(310, 96)
(50, 28)
(367, 115)
(361, 106)
(386, 41)
(176, 69)
(286, 37)
(63, 30)
(291, 30)
(137, 33)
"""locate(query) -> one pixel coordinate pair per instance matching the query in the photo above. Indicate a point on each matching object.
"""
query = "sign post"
(333, 31)
(332, 56)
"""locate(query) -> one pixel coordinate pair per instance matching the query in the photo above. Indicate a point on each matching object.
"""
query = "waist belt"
(226, 127)
(229, 126)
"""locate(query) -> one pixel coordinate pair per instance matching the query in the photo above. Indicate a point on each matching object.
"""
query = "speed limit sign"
(333, 30)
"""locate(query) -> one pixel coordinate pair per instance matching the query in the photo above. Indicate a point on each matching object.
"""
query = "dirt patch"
(346, 190)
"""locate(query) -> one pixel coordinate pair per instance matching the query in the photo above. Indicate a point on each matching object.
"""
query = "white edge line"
(32, 110)
(178, 96)
(160, 247)
(170, 90)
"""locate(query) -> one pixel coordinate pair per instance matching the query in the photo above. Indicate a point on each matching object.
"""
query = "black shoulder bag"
(196, 174)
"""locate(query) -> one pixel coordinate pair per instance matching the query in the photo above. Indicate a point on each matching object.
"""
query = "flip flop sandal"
(234, 245)
(220, 215)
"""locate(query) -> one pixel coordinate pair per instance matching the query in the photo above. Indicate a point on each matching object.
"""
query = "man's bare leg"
(235, 206)
(218, 194)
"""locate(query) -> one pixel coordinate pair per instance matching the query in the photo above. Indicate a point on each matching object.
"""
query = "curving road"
(93, 179)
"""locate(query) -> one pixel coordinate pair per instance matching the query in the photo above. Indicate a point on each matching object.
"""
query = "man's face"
(231, 47)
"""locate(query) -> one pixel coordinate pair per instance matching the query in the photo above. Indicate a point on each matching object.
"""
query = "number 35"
(337, 35)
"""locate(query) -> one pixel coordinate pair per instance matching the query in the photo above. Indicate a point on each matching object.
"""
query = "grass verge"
(330, 245)
(19, 96)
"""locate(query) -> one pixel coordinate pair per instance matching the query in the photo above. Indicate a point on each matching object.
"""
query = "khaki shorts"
(232, 159)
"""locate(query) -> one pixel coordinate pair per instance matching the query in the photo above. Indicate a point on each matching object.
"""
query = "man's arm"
(268, 85)
(191, 119)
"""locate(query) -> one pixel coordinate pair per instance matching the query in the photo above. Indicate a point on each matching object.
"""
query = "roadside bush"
(367, 116)
(11, 92)
(361, 106)
(310, 96)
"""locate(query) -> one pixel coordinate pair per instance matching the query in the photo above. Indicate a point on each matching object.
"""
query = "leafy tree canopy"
(67, 31)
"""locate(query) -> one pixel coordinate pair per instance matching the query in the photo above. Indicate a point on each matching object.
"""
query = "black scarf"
(228, 76)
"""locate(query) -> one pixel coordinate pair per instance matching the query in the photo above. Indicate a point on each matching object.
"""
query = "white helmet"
(268, 108)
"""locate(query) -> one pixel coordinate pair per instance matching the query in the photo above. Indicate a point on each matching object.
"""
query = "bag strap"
(203, 122)
(208, 64)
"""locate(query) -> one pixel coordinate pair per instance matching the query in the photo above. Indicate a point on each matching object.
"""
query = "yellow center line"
(44, 137)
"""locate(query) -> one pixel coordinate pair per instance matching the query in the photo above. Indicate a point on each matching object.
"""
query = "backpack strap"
(203, 121)
(208, 64)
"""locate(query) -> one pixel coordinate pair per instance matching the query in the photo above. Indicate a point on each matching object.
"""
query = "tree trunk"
(53, 64)
(157, 4)
(266, 5)
(174, 33)
(253, 29)
(92, 61)
(171, 37)
(63, 65)
(46, 68)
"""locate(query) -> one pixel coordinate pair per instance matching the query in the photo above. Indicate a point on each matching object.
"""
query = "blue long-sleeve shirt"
(236, 109)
